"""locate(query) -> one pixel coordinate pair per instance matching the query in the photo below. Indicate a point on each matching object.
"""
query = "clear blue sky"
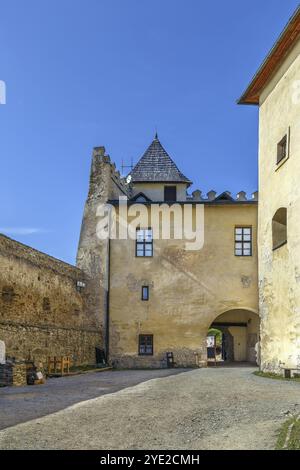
(83, 73)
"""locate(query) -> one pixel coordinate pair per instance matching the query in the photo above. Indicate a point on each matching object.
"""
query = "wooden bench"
(59, 365)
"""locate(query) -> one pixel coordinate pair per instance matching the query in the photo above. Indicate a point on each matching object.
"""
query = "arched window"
(279, 228)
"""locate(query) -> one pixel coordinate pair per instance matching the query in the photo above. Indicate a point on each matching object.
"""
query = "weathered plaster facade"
(279, 270)
(276, 89)
(189, 290)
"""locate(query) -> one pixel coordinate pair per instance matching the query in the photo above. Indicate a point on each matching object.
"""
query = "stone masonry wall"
(93, 253)
(42, 313)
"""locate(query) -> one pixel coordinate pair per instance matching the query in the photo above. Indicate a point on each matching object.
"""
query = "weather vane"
(124, 167)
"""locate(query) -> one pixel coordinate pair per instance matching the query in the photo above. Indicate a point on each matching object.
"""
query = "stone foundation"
(183, 359)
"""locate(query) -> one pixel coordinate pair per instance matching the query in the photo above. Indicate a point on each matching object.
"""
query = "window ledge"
(281, 163)
(280, 245)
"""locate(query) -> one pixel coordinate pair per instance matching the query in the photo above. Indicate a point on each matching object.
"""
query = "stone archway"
(240, 330)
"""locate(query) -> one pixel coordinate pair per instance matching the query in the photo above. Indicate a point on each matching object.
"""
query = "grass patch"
(289, 438)
(270, 375)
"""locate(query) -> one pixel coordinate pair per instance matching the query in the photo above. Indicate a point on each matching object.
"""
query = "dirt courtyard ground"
(20, 404)
(223, 408)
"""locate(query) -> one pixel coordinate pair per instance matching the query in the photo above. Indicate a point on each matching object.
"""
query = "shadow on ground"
(18, 405)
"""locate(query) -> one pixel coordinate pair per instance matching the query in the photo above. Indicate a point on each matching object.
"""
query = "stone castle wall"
(42, 311)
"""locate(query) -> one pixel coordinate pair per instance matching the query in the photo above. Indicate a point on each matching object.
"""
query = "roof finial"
(156, 136)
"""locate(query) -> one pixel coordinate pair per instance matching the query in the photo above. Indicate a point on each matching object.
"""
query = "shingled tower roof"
(157, 166)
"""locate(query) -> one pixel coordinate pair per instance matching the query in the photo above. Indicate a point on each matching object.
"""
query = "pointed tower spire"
(157, 166)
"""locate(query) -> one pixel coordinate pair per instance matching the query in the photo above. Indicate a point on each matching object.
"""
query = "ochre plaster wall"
(279, 271)
(188, 290)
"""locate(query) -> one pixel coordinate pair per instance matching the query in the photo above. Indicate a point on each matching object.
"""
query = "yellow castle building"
(161, 295)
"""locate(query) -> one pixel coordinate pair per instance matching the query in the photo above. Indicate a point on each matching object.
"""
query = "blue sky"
(84, 73)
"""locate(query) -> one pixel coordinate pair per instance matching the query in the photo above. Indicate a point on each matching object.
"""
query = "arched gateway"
(232, 337)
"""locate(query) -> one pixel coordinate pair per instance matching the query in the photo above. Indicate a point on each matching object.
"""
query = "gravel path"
(21, 404)
(226, 408)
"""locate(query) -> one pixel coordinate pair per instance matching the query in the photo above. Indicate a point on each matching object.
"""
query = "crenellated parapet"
(212, 196)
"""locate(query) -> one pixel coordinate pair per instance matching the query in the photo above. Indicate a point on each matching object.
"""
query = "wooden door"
(239, 334)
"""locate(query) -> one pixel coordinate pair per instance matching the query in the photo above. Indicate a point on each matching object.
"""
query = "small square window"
(145, 293)
(170, 193)
(282, 149)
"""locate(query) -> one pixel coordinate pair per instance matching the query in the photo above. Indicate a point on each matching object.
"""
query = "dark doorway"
(223, 349)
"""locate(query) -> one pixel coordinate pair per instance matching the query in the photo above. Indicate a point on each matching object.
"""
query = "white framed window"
(243, 241)
(144, 243)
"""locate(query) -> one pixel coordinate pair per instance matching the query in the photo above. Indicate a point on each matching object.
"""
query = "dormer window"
(170, 193)
(141, 199)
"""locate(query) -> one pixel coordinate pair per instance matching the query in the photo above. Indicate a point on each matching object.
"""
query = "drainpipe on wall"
(107, 305)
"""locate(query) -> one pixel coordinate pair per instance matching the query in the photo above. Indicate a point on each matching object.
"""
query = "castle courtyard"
(224, 408)
(149, 230)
